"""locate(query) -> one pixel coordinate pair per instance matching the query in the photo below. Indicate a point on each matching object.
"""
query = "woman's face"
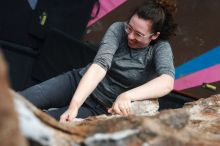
(139, 32)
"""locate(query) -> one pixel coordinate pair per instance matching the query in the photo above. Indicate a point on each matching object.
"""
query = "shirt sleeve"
(164, 59)
(109, 45)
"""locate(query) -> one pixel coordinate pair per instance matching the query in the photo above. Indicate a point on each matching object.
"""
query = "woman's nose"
(131, 36)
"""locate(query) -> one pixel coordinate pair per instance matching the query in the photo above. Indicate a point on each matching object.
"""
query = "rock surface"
(197, 123)
(9, 129)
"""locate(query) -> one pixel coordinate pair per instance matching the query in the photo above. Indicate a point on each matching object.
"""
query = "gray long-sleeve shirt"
(127, 67)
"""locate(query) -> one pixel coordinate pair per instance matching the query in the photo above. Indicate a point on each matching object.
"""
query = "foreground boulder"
(197, 123)
(10, 134)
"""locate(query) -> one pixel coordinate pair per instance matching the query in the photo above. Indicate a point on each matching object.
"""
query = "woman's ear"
(155, 36)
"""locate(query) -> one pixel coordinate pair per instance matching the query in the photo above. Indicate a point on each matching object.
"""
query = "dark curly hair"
(161, 13)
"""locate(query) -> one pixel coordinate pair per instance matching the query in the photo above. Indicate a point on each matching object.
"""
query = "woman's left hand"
(122, 105)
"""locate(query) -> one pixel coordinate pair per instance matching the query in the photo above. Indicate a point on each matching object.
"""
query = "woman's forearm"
(87, 84)
(155, 88)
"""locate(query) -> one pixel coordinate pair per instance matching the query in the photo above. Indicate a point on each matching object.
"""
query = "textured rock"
(197, 123)
(145, 107)
(9, 129)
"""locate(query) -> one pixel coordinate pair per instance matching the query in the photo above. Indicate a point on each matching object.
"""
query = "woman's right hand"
(68, 115)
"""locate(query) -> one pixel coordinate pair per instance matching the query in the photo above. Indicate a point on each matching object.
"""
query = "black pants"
(57, 92)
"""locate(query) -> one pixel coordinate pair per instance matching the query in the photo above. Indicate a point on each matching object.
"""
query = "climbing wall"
(197, 47)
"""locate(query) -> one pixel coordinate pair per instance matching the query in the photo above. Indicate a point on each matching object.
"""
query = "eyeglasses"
(137, 35)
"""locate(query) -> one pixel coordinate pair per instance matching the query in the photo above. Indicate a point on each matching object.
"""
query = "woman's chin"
(131, 45)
